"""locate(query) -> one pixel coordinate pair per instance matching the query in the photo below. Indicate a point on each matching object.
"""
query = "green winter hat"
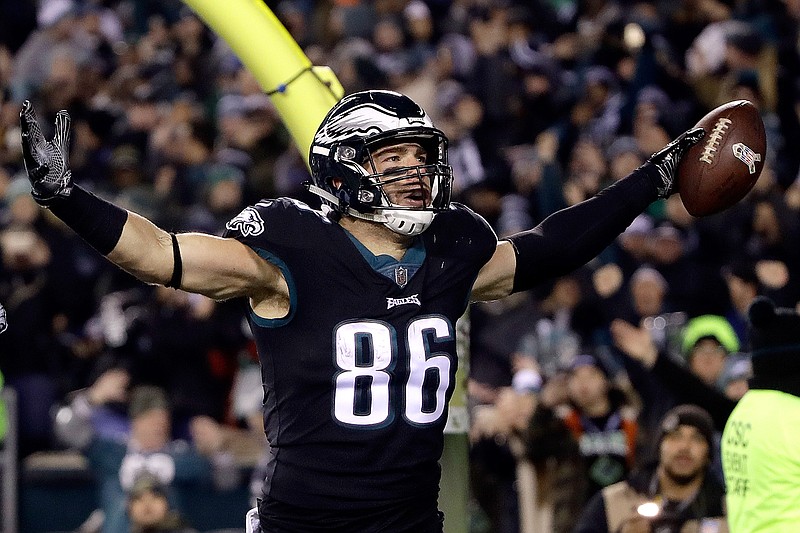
(713, 326)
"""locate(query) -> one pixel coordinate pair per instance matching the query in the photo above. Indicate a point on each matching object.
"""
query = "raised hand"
(666, 160)
(634, 342)
(46, 162)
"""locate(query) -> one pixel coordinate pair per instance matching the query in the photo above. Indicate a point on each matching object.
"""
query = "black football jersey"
(358, 375)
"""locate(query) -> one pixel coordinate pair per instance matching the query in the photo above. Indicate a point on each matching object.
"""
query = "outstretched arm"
(216, 267)
(571, 237)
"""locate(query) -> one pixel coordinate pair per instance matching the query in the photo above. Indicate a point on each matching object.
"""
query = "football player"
(353, 306)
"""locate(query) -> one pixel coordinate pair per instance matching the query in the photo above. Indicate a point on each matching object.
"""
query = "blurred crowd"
(545, 102)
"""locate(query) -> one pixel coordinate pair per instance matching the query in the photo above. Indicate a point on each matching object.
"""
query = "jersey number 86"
(362, 396)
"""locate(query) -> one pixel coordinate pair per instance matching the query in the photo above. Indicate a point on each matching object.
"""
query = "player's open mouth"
(416, 196)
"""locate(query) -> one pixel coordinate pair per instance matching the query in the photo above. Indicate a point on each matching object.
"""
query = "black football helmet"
(342, 149)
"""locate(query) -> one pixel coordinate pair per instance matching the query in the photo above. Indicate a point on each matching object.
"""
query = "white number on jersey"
(361, 393)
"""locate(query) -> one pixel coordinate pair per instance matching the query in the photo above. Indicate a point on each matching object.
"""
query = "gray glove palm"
(667, 159)
(46, 162)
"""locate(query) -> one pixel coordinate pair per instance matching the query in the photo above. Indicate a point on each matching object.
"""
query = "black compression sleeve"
(97, 221)
(573, 236)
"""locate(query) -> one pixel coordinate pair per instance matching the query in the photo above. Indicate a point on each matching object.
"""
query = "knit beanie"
(687, 415)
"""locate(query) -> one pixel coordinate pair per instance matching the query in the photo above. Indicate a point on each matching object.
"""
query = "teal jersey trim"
(388, 265)
(277, 322)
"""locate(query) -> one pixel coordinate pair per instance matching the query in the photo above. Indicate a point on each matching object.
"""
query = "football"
(721, 169)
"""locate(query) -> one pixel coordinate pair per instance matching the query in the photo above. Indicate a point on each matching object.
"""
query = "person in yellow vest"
(678, 494)
(760, 454)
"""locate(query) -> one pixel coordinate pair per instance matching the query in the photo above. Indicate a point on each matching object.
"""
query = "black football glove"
(3, 319)
(47, 162)
(667, 159)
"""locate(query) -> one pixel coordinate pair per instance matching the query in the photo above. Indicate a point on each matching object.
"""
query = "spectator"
(91, 153)
(603, 422)
(600, 106)
(623, 155)
(759, 444)
(556, 455)
(774, 232)
(674, 382)
(563, 322)
(497, 327)
(57, 36)
(419, 25)
(149, 509)
(32, 365)
(578, 433)
(647, 295)
(586, 170)
(537, 179)
(707, 341)
(734, 381)
(149, 448)
(546, 98)
(460, 114)
(633, 245)
(675, 493)
(491, 80)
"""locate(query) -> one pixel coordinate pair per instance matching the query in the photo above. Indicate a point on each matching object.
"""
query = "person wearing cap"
(675, 494)
(760, 454)
(707, 341)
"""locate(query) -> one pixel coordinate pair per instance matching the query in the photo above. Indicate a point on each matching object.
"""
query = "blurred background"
(545, 102)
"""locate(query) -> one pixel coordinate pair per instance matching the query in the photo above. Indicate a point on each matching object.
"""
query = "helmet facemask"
(404, 199)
